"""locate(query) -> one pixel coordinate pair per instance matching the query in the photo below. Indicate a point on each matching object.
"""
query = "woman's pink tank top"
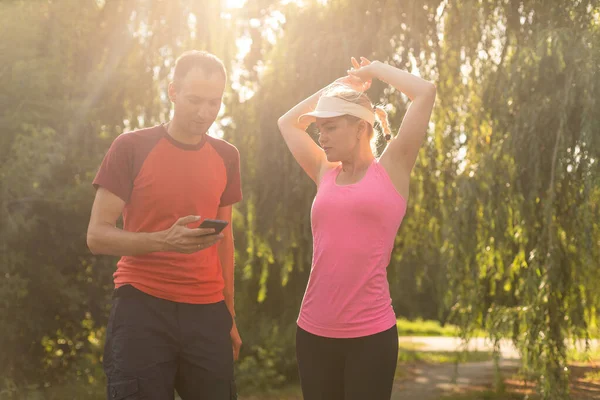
(354, 227)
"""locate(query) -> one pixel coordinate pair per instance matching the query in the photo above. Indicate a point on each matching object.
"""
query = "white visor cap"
(329, 107)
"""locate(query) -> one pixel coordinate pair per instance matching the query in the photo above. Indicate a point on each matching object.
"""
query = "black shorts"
(154, 346)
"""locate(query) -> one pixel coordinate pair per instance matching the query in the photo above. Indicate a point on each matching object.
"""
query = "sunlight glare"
(235, 3)
(299, 3)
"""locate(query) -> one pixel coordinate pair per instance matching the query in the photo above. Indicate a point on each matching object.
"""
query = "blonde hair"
(348, 94)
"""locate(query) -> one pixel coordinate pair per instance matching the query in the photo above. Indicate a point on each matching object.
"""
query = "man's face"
(197, 99)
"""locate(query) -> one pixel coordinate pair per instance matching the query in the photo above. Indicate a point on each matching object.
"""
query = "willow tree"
(523, 251)
(502, 223)
(502, 229)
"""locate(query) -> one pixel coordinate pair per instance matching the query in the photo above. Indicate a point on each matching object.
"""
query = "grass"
(412, 352)
(421, 327)
(291, 392)
(77, 390)
(486, 395)
(443, 357)
(575, 354)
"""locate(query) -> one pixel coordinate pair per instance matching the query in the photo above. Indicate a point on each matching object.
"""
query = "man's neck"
(181, 135)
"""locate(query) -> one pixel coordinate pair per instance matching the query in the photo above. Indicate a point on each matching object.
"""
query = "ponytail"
(382, 117)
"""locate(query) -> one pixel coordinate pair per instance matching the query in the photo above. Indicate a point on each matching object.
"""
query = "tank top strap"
(387, 180)
(329, 176)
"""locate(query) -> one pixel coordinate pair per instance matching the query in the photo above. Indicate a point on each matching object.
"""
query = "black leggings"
(347, 369)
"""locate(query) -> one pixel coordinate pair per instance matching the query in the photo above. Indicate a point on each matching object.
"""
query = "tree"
(502, 228)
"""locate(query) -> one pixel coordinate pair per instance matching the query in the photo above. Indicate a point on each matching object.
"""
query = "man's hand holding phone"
(216, 224)
(181, 239)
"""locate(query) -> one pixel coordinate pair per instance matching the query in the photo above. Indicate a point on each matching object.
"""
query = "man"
(171, 325)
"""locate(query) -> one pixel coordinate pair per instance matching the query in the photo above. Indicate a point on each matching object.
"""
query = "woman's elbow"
(282, 122)
(431, 89)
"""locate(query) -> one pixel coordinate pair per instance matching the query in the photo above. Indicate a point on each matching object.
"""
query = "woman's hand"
(354, 82)
(364, 71)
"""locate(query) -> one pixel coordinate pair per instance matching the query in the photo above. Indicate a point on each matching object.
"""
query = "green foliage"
(502, 231)
(266, 363)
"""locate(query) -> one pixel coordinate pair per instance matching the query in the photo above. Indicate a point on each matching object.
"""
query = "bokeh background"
(502, 233)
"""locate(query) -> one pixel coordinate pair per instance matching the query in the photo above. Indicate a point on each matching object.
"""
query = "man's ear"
(172, 92)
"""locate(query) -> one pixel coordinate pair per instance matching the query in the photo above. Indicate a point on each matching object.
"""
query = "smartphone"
(216, 224)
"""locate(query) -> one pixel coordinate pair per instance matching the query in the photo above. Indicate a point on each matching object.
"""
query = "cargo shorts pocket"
(124, 390)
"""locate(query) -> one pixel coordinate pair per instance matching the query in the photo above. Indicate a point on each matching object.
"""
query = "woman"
(347, 341)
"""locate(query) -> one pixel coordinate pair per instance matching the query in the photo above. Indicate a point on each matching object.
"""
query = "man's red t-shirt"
(162, 180)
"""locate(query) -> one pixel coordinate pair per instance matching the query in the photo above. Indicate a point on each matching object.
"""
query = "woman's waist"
(351, 250)
(331, 315)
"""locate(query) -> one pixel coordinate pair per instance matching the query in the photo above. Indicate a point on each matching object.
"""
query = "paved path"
(425, 343)
(430, 381)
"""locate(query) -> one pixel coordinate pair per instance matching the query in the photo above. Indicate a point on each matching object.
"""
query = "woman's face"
(339, 137)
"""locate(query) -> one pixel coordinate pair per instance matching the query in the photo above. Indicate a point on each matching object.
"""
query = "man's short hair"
(207, 62)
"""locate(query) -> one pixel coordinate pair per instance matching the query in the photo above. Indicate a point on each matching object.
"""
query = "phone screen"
(216, 224)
